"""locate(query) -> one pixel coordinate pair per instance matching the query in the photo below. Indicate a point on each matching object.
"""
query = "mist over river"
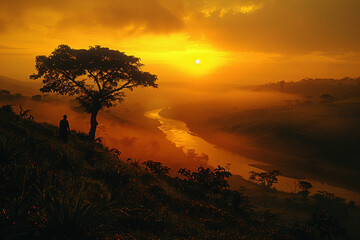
(178, 133)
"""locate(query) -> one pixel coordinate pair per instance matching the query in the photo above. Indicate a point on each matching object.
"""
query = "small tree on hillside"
(157, 168)
(97, 77)
(327, 98)
(304, 186)
(267, 178)
(207, 179)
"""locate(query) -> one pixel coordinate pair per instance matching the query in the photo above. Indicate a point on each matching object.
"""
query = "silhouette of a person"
(64, 129)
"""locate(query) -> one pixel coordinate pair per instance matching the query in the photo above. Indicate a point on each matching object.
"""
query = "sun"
(197, 61)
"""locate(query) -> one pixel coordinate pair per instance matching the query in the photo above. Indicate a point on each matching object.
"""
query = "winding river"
(177, 132)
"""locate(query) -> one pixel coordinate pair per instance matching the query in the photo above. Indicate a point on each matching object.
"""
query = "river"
(177, 132)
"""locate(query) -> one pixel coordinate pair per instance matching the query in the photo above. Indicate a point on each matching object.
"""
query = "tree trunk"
(94, 124)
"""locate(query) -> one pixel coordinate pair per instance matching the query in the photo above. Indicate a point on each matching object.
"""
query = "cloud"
(286, 26)
(2, 25)
(130, 16)
(278, 26)
(233, 10)
(5, 47)
(153, 16)
(284, 38)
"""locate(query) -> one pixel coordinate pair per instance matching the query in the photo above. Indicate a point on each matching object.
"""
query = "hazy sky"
(236, 41)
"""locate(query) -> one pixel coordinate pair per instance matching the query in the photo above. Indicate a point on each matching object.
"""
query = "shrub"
(304, 186)
(75, 218)
(267, 178)
(157, 168)
(206, 179)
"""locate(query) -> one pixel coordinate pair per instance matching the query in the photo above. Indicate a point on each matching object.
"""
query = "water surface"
(177, 132)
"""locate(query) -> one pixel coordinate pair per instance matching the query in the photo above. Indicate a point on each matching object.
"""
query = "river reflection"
(178, 133)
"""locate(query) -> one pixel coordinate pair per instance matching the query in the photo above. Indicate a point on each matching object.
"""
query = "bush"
(72, 217)
(157, 168)
(267, 178)
(206, 179)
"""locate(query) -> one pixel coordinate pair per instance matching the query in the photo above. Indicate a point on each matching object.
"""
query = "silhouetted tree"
(97, 77)
(323, 226)
(304, 186)
(327, 98)
(267, 178)
(157, 168)
(4, 92)
(206, 179)
(36, 97)
(282, 85)
(25, 113)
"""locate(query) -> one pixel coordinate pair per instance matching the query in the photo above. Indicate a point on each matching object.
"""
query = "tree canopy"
(267, 178)
(97, 76)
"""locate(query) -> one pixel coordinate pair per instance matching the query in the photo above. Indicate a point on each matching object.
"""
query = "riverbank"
(85, 190)
(238, 145)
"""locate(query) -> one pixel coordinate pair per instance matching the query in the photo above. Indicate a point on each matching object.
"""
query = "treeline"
(340, 89)
(7, 96)
(84, 190)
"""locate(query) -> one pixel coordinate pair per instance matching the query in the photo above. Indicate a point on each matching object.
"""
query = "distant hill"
(341, 89)
(16, 86)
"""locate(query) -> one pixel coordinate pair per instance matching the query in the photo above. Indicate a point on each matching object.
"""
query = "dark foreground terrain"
(83, 190)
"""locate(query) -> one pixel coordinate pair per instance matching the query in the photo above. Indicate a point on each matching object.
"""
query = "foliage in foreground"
(83, 190)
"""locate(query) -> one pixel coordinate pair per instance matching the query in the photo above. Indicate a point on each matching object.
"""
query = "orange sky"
(237, 41)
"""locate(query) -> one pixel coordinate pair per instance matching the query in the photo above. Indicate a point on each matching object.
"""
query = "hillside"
(341, 89)
(313, 134)
(17, 86)
(84, 190)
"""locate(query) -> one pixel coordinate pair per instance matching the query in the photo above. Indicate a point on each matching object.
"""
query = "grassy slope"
(82, 190)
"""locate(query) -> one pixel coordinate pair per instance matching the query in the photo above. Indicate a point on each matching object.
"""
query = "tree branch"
(75, 82)
(131, 86)
(120, 88)
(96, 80)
